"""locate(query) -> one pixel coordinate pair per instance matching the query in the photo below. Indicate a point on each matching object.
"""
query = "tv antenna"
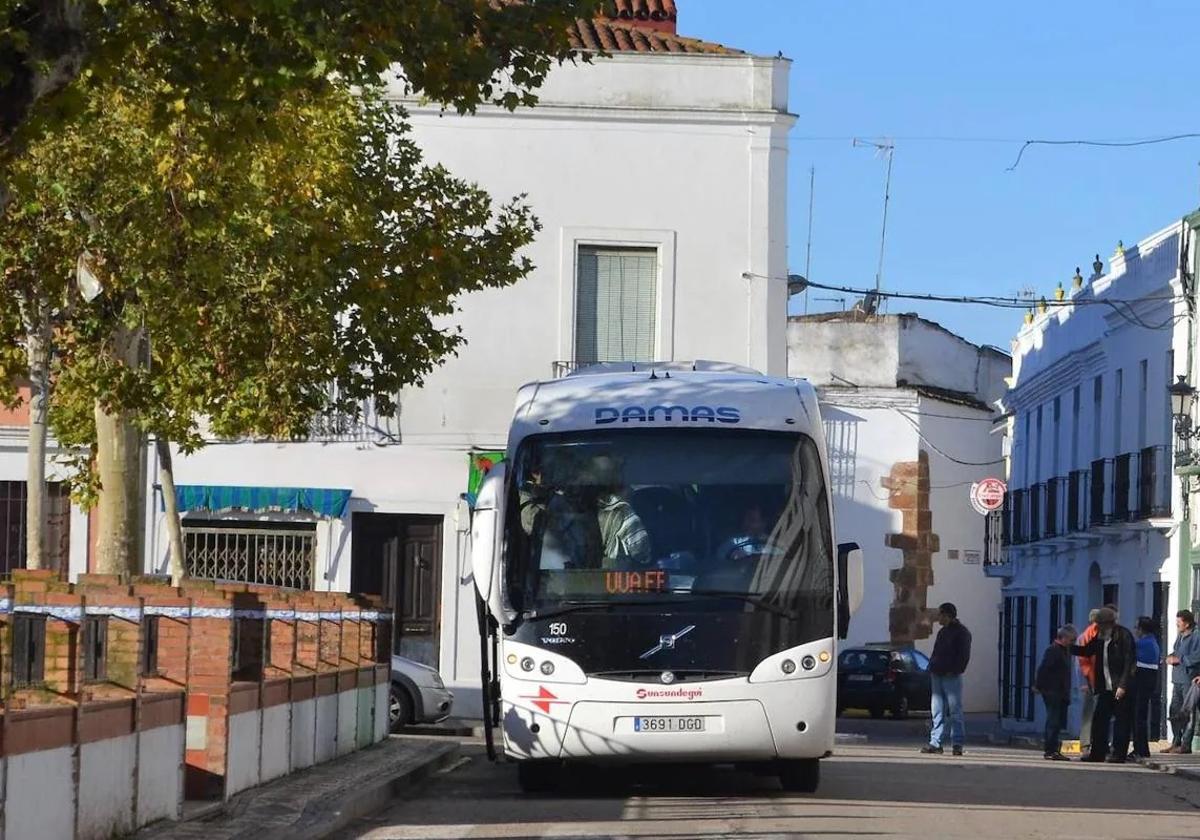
(884, 148)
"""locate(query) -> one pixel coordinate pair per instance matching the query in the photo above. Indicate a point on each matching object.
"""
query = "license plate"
(859, 677)
(668, 724)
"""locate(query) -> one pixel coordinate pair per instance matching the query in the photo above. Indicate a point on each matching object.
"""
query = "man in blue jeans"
(951, 653)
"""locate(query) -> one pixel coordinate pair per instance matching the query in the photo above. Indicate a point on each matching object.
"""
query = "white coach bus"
(657, 573)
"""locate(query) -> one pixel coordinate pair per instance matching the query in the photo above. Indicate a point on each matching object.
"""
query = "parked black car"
(883, 679)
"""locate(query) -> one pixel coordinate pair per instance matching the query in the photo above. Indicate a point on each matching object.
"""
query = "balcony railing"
(1101, 492)
(1037, 494)
(1056, 520)
(1132, 487)
(1122, 484)
(1078, 494)
(1020, 530)
(1154, 482)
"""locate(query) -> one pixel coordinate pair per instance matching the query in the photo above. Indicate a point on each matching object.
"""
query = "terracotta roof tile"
(619, 37)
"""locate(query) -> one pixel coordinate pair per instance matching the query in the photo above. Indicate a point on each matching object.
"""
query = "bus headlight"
(787, 666)
(809, 663)
(527, 663)
(547, 668)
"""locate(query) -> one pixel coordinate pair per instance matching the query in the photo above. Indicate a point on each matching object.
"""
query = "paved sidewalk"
(317, 802)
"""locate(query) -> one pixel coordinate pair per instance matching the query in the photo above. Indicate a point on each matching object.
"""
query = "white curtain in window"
(615, 310)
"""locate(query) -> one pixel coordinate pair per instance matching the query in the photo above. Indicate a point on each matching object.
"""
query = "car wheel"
(800, 775)
(900, 707)
(400, 708)
(538, 776)
(877, 711)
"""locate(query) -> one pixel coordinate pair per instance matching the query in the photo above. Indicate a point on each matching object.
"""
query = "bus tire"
(538, 776)
(802, 775)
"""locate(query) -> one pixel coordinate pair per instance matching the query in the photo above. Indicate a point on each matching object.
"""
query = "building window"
(29, 650)
(1075, 428)
(1111, 594)
(1062, 612)
(1196, 589)
(1018, 659)
(616, 293)
(1056, 466)
(1037, 449)
(1143, 401)
(271, 553)
(95, 648)
(1097, 413)
(13, 526)
(1118, 411)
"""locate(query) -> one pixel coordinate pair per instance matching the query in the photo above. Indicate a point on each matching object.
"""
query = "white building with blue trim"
(1092, 510)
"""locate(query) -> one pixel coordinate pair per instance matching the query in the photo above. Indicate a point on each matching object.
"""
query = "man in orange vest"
(1087, 667)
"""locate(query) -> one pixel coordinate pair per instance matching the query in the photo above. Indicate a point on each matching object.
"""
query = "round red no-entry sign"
(988, 495)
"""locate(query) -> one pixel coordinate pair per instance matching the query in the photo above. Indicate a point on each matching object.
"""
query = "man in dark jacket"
(1114, 657)
(951, 654)
(1053, 682)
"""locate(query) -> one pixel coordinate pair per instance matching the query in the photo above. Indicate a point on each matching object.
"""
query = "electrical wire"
(945, 454)
(998, 302)
(1101, 143)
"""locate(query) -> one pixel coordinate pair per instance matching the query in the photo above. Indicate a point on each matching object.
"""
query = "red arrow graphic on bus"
(543, 699)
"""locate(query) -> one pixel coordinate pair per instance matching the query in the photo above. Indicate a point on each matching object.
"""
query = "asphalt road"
(869, 790)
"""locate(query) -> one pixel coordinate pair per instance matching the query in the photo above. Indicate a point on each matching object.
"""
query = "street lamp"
(1183, 397)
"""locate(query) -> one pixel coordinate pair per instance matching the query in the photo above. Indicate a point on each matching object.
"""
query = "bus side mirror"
(850, 585)
(486, 520)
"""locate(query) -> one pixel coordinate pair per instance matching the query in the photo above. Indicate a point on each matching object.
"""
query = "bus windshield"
(738, 519)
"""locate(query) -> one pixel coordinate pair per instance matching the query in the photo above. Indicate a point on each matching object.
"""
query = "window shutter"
(616, 313)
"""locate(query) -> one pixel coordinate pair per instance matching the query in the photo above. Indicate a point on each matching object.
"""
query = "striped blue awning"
(322, 501)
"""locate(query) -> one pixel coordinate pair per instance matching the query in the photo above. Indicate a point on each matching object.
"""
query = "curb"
(329, 816)
(1164, 767)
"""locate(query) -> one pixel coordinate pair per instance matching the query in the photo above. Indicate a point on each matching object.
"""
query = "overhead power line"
(1123, 308)
(1101, 143)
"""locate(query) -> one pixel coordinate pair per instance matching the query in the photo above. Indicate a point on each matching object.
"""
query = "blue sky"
(958, 222)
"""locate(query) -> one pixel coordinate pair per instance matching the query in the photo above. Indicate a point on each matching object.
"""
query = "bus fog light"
(788, 666)
(527, 663)
(547, 668)
(809, 663)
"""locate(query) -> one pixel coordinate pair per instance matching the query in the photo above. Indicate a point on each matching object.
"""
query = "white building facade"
(908, 409)
(1092, 512)
(659, 178)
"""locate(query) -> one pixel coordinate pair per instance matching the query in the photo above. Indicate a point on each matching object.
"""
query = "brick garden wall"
(121, 697)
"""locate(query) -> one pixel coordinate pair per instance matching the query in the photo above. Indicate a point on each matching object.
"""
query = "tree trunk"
(118, 464)
(37, 350)
(166, 478)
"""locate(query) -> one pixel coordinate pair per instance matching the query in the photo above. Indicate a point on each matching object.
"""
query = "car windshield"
(650, 515)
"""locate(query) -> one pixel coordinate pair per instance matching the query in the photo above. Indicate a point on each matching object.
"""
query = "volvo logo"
(668, 642)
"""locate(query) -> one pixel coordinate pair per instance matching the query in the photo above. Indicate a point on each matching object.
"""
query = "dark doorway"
(399, 558)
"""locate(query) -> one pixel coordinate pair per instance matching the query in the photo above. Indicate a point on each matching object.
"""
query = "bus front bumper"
(719, 721)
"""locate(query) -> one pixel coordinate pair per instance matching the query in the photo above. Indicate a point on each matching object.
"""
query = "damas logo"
(667, 414)
(679, 693)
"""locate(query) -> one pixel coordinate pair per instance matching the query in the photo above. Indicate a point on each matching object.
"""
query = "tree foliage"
(318, 249)
(243, 56)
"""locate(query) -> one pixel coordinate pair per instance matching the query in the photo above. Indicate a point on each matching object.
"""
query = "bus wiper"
(755, 600)
(566, 607)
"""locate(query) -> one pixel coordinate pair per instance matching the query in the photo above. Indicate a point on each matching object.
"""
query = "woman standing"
(1145, 683)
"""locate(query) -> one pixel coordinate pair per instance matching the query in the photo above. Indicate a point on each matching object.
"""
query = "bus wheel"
(538, 776)
(800, 775)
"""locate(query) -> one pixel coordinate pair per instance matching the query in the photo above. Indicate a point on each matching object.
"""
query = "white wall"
(160, 777)
(35, 779)
(106, 780)
(963, 434)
